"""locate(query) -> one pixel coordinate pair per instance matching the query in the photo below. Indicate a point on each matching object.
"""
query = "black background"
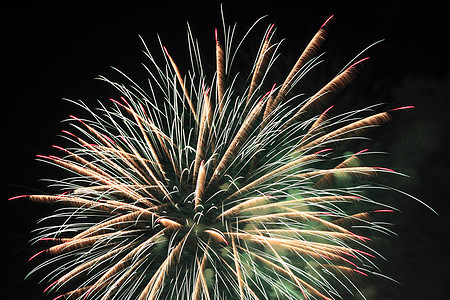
(54, 51)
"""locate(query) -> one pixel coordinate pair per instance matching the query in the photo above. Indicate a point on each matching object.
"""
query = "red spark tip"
(384, 210)
(323, 213)
(267, 94)
(362, 273)
(115, 101)
(69, 133)
(385, 169)
(403, 107)
(324, 256)
(124, 100)
(365, 253)
(58, 297)
(272, 89)
(270, 30)
(88, 292)
(75, 118)
(36, 254)
(165, 50)
(52, 284)
(62, 195)
(358, 62)
(349, 261)
(324, 24)
(18, 197)
(216, 35)
(143, 109)
(108, 138)
(59, 148)
(45, 239)
(359, 152)
(327, 110)
(360, 237)
(323, 150)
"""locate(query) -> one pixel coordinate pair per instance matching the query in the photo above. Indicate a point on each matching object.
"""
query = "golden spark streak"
(156, 281)
(272, 174)
(121, 264)
(181, 82)
(310, 51)
(205, 122)
(201, 281)
(261, 65)
(237, 266)
(302, 201)
(87, 265)
(200, 186)
(352, 129)
(248, 204)
(237, 142)
(220, 66)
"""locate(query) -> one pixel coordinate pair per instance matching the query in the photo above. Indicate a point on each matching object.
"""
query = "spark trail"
(195, 188)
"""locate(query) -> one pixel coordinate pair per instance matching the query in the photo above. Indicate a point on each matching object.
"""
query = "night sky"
(56, 51)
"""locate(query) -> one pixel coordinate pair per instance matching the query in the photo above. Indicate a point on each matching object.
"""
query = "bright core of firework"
(203, 186)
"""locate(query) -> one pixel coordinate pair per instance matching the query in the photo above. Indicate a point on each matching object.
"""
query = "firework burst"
(214, 186)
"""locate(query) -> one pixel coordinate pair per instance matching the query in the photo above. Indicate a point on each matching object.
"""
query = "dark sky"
(55, 51)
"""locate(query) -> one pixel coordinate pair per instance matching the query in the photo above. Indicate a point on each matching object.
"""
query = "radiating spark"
(210, 186)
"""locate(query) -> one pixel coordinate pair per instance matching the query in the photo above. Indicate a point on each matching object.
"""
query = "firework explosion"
(214, 187)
